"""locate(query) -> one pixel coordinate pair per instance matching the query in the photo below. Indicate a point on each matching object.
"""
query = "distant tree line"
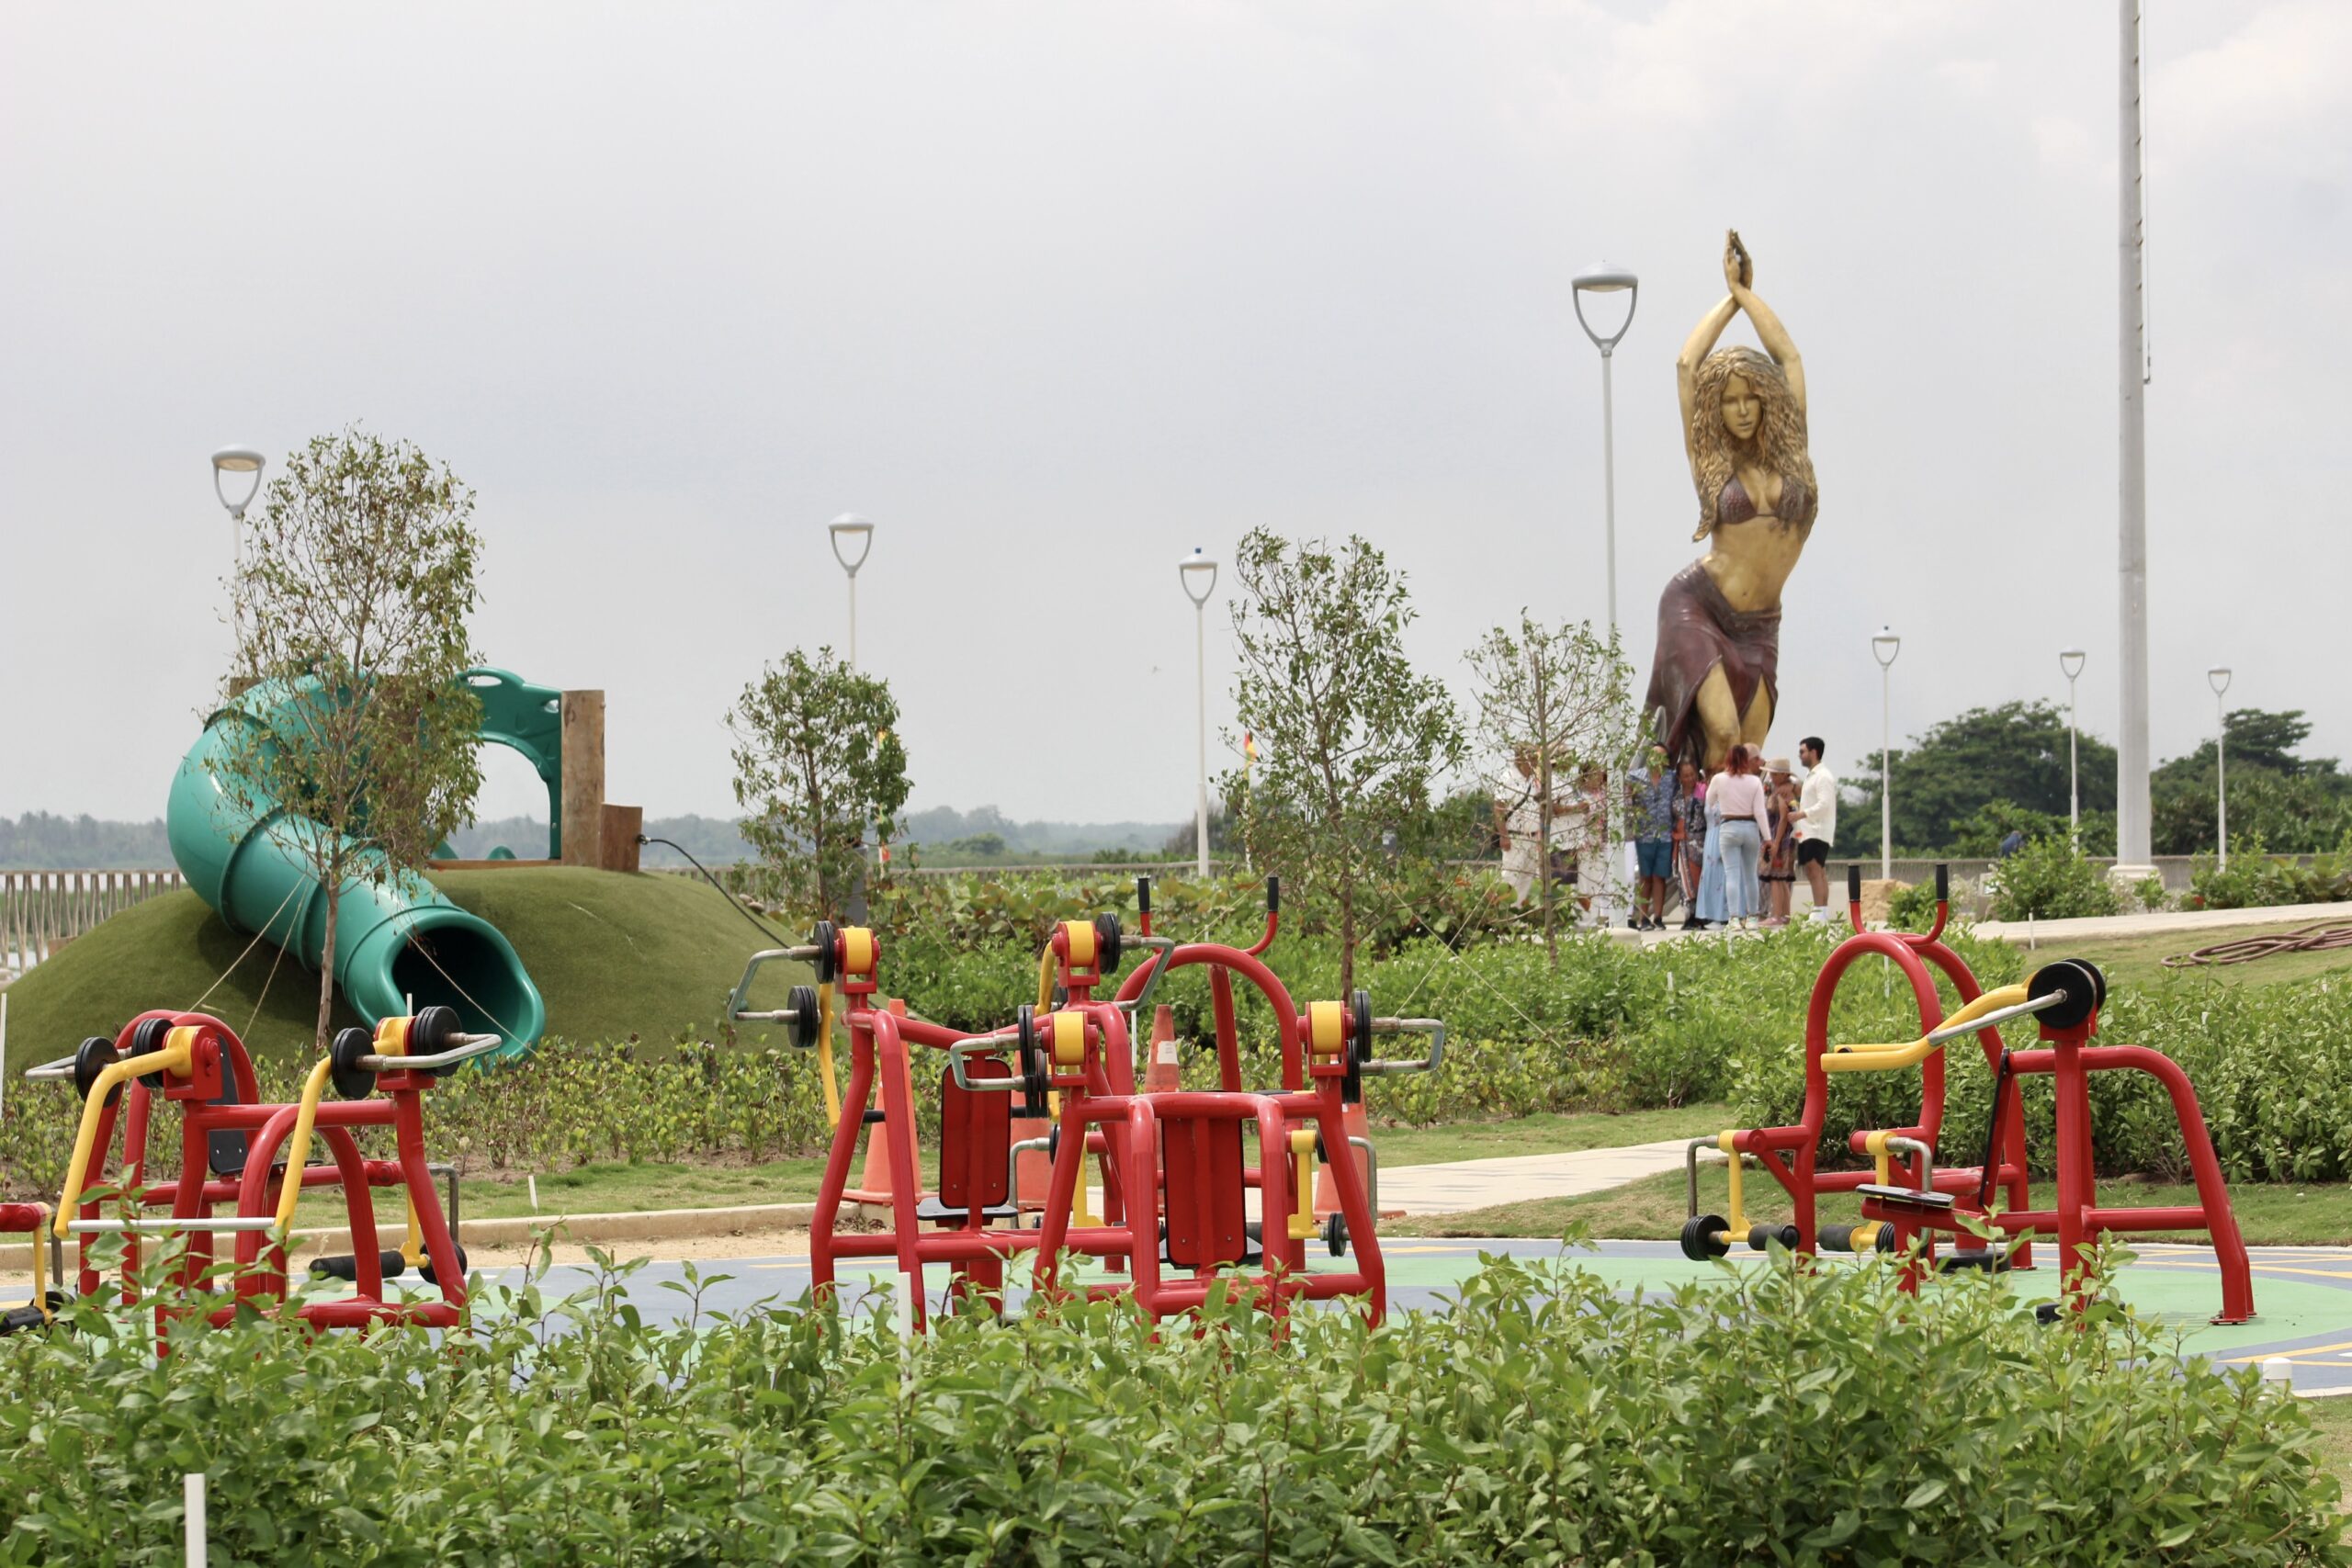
(39, 841)
(1964, 784)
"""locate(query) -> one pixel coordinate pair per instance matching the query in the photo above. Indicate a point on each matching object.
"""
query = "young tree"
(351, 605)
(1349, 737)
(818, 763)
(1558, 698)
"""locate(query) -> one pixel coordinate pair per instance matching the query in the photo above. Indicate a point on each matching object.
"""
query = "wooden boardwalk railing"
(42, 910)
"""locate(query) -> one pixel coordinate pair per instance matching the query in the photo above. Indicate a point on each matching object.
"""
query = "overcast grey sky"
(1056, 292)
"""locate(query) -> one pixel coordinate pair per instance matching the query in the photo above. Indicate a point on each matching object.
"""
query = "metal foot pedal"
(1985, 1257)
(1907, 1197)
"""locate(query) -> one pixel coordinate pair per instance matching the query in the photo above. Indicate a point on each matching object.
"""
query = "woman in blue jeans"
(1736, 795)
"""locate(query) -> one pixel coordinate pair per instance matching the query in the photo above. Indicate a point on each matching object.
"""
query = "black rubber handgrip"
(875, 1116)
(1274, 894)
(1853, 883)
(347, 1268)
(1943, 883)
(427, 1269)
(1143, 894)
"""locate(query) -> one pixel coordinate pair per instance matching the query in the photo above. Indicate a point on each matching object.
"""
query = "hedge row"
(1785, 1417)
(1611, 1029)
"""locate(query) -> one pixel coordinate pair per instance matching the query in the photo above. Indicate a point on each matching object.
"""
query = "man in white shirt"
(1817, 823)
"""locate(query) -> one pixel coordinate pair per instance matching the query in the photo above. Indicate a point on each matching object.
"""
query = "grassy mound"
(613, 954)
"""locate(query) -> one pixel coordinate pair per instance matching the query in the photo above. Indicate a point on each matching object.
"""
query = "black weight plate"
(94, 1056)
(147, 1035)
(351, 1080)
(827, 939)
(2082, 984)
(1107, 943)
(801, 1021)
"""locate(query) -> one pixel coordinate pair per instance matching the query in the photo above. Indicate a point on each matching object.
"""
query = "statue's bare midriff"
(1751, 561)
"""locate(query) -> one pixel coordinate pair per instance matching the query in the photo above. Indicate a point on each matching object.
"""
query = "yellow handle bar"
(176, 1057)
(1887, 1058)
(298, 1147)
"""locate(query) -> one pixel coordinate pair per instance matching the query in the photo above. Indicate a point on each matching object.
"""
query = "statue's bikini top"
(1735, 506)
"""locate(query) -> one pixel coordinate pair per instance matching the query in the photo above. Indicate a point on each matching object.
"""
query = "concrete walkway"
(2044, 934)
(1461, 1186)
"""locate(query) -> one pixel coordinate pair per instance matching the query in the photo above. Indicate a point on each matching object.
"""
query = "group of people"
(1734, 844)
(1731, 845)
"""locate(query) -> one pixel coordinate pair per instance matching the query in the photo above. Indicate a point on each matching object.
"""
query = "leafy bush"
(2151, 894)
(2051, 880)
(2254, 880)
(1776, 1415)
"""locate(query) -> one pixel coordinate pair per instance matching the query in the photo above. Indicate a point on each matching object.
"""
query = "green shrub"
(2049, 880)
(1778, 1416)
(2256, 881)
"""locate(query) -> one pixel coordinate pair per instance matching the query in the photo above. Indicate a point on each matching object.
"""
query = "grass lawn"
(619, 1188)
(614, 1188)
(2318, 1214)
(1545, 1134)
(2139, 961)
(613, 955)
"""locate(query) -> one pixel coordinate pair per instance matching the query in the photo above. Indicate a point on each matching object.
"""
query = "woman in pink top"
(1738, 796)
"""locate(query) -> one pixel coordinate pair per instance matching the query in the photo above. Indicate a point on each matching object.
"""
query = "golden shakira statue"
(1716, 678)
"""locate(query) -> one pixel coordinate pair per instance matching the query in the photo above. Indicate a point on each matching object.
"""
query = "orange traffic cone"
(1162, 1072)
(875, 1188)
(1327, 1196)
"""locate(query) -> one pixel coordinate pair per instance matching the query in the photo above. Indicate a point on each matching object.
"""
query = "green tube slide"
(400, 942)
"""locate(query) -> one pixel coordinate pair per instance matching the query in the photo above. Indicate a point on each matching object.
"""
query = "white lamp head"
(1606, 279)
(244, 461)
(1197, 571)
(849, 531)
(2070, 660)
(1885, 646)
(2218, 678)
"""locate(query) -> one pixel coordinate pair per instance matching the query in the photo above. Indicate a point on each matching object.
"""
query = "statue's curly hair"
(1779, 445)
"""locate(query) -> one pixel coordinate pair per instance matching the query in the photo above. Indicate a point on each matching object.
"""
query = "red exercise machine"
(1908, 1200)
(230, 1154)
(1174, 1219)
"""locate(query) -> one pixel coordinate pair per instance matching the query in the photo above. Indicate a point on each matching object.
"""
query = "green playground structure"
(399, 947)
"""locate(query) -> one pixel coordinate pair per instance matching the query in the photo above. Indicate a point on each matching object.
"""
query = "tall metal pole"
(1608, 478)
(1885, 775)
(2074, 784)
(853, 620)
(2132, 800)
(1604, 898)
(2218, 678)
(2222, 776)
(1201, 694)
(1197, 570)
(1607, 280)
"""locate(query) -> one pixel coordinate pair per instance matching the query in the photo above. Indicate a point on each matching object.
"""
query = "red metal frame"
(1791, 1154)
(261, 1271)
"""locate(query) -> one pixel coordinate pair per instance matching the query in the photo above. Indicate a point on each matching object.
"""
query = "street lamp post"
(1197, 572)
(1607, 280)
(847, 530)
(2218, 678)
(1884, 648)
(245, 461)
(2070, 660)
